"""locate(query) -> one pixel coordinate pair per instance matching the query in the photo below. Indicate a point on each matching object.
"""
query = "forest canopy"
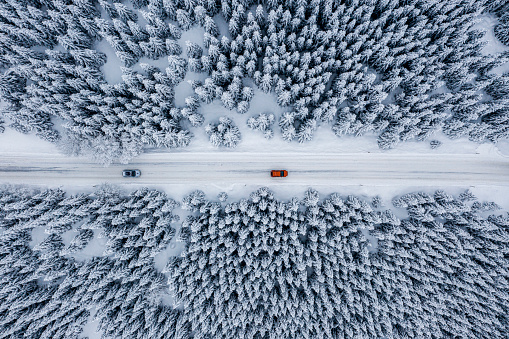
(257, 267)
(401, 70)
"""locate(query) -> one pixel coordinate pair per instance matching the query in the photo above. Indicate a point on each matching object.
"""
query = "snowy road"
(379, 169)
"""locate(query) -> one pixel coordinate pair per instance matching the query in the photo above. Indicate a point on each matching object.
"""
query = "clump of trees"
(111, 122)
(262, 122)
(501, 8)
(362, 67)
(502, 30)
(224, 133)
(260, 267)
(48, 294)
(132, 41)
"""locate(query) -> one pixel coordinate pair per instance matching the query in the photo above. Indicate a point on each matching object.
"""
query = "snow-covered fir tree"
(47, 294)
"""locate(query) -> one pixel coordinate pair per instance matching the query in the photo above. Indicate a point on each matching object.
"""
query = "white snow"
(78, 174)
(160, 63)
(222, 26)
(348, 165)
(487, 168)
(194, 34)
(184, 89)
(219, 170)
(111, 69)
(38, 235)
(95, 248)
(487, 22)
(15, 142)
(90, 328)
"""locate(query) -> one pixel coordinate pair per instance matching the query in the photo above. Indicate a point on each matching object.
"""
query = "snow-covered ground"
(327, 166)
(328, 163)
(242, 168)
(487, 22)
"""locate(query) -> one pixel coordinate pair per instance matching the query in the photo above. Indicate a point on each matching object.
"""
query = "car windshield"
(282, 173)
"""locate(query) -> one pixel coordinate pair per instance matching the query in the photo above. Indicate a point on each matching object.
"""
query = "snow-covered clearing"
(487, 22)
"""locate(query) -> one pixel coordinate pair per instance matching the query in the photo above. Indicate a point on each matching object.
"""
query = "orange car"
(278, 173)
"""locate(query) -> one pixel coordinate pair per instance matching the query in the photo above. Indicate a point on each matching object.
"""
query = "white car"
(131, 173)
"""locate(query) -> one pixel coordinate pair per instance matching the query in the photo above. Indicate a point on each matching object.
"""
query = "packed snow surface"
(376, 169)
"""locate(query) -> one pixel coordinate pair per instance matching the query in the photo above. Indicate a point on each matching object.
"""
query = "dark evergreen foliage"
(339, 62)
(501, 10)
(109, 122)
(435, 144)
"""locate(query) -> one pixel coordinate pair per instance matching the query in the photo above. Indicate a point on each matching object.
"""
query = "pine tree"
(79, 242)
(223, 196)
(176, 69)
(263, 122)
(193, 50)
(184, 19)
(502, 31)
(435, 144)
(210, 26)
(154, 49)
(124, 13)
(172, 47)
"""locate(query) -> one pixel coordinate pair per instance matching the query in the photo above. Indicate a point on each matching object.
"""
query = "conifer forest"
(399, 69)
(146, 263)
(254, 268)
